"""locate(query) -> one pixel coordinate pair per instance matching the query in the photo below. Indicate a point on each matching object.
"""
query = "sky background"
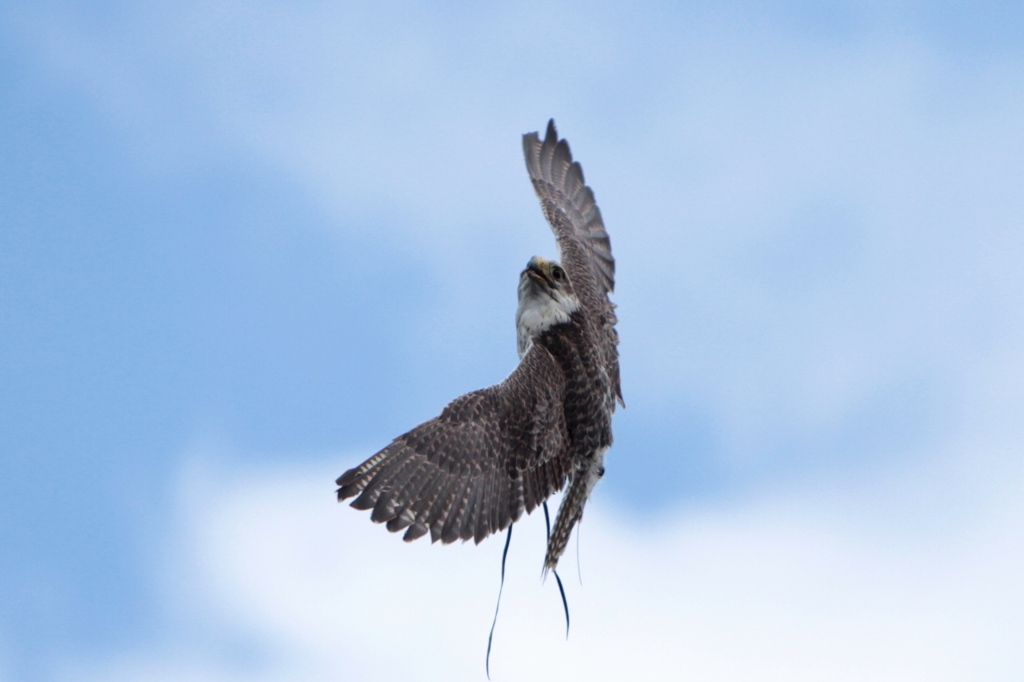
(244, 245)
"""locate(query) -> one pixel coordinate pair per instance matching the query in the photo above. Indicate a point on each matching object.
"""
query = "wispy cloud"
(272, 580)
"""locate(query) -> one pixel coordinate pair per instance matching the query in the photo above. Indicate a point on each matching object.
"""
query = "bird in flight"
(494, 453)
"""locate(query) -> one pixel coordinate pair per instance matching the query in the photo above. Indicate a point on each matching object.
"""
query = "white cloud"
(877, 584)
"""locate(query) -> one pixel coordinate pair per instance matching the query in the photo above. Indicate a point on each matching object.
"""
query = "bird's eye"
(557, 273)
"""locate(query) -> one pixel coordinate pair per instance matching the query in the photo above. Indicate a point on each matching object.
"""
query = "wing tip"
(551, 133)
(540, 153)
(556, 177)
(415, 532)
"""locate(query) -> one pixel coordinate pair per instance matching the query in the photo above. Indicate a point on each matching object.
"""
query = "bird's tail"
(571, 509)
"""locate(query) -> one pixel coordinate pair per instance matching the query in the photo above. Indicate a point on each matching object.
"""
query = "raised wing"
(473, 470)
(584, 247)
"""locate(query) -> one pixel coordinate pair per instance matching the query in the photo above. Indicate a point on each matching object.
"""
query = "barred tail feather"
(571, 510)
(568, 514)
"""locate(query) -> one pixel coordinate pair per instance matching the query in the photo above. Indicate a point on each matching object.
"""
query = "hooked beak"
(536, 273)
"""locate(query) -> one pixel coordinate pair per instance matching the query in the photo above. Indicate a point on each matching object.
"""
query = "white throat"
(539, 311)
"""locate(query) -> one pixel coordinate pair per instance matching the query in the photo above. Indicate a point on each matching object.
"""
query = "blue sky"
(244, 245)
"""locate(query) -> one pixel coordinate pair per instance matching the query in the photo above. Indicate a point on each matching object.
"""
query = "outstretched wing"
(583, 243)
(473, 470)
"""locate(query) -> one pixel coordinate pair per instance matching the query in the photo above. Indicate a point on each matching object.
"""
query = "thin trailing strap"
(487, 661)
(579, 572)
(561, 590)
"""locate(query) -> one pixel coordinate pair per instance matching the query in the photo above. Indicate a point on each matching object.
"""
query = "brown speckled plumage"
(499, 451)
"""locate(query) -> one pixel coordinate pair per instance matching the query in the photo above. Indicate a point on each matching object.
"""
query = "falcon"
(494, 453)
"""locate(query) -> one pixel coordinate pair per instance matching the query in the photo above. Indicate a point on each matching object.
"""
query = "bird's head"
(546, 298)
(545, 278)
